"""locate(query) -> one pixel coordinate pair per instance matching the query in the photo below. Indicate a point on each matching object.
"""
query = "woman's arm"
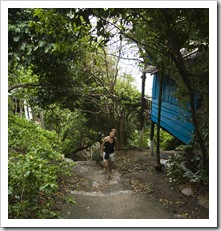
(102, 145)
(115, 145)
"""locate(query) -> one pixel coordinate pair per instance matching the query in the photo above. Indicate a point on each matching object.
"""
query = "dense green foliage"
(70, 59)
(71, 128)
(167, 141)
(34, 163)
(191, 171)
(73, 70)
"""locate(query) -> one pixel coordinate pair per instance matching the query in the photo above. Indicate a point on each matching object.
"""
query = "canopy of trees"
(65, 52)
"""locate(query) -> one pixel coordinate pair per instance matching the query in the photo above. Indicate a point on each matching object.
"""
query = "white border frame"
(212, 221)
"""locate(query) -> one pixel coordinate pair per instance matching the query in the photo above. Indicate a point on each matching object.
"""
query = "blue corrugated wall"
(174, 119)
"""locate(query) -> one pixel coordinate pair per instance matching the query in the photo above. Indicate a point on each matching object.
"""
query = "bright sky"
(130, 67)
(128, 64)
(129, 56)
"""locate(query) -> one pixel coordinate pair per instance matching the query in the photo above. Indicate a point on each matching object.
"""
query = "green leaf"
(44, 186)
(27, 174)
(10, 190)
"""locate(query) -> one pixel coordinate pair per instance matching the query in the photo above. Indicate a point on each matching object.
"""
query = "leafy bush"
(174, 172)
(135, 138)
(26, 136)
(191, 170)
(167, 141)
(33, 166)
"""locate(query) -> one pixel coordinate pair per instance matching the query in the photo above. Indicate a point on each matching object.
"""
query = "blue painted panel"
(174, 119)
(155, 87)
(178, 125)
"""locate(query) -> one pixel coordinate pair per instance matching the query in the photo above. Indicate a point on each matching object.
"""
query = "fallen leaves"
(164, 201)
(139, 186)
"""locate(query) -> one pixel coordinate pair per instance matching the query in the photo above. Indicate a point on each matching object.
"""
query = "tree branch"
(91, 112)
(23, 85)
(81, 148)
(133, 39)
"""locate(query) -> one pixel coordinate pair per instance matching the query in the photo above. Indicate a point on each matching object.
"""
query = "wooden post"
(142, 109)
(158, 165)
(42, 120)
(16, 105)
(152, 138)
(21, 110)
(141, 139)
(26, 110)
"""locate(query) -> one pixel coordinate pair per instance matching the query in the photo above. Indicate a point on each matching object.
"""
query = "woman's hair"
(113, 130)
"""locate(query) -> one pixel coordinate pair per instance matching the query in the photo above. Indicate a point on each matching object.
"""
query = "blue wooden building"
(175, 119)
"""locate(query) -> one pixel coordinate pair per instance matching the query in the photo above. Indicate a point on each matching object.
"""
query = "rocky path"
(91, 195)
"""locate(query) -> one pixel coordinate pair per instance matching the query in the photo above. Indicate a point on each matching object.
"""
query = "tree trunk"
(158, 164)
(42, 120)
(142, 110)
(21, 109)
(185, 77)
(16, 105)
(121, 138)
(197, 131)
(174, 53)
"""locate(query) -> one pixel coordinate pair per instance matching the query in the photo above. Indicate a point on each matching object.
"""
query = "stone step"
(101, 194)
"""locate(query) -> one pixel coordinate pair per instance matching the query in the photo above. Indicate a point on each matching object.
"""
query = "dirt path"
(136, 191)
(97, 197)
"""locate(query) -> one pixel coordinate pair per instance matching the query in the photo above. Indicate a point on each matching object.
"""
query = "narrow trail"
(97, 197)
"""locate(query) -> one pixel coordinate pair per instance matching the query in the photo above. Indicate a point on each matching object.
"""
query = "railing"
(147, 104)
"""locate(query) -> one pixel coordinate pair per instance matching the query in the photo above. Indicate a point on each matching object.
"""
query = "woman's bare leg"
(110, 169)
(105, 166)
